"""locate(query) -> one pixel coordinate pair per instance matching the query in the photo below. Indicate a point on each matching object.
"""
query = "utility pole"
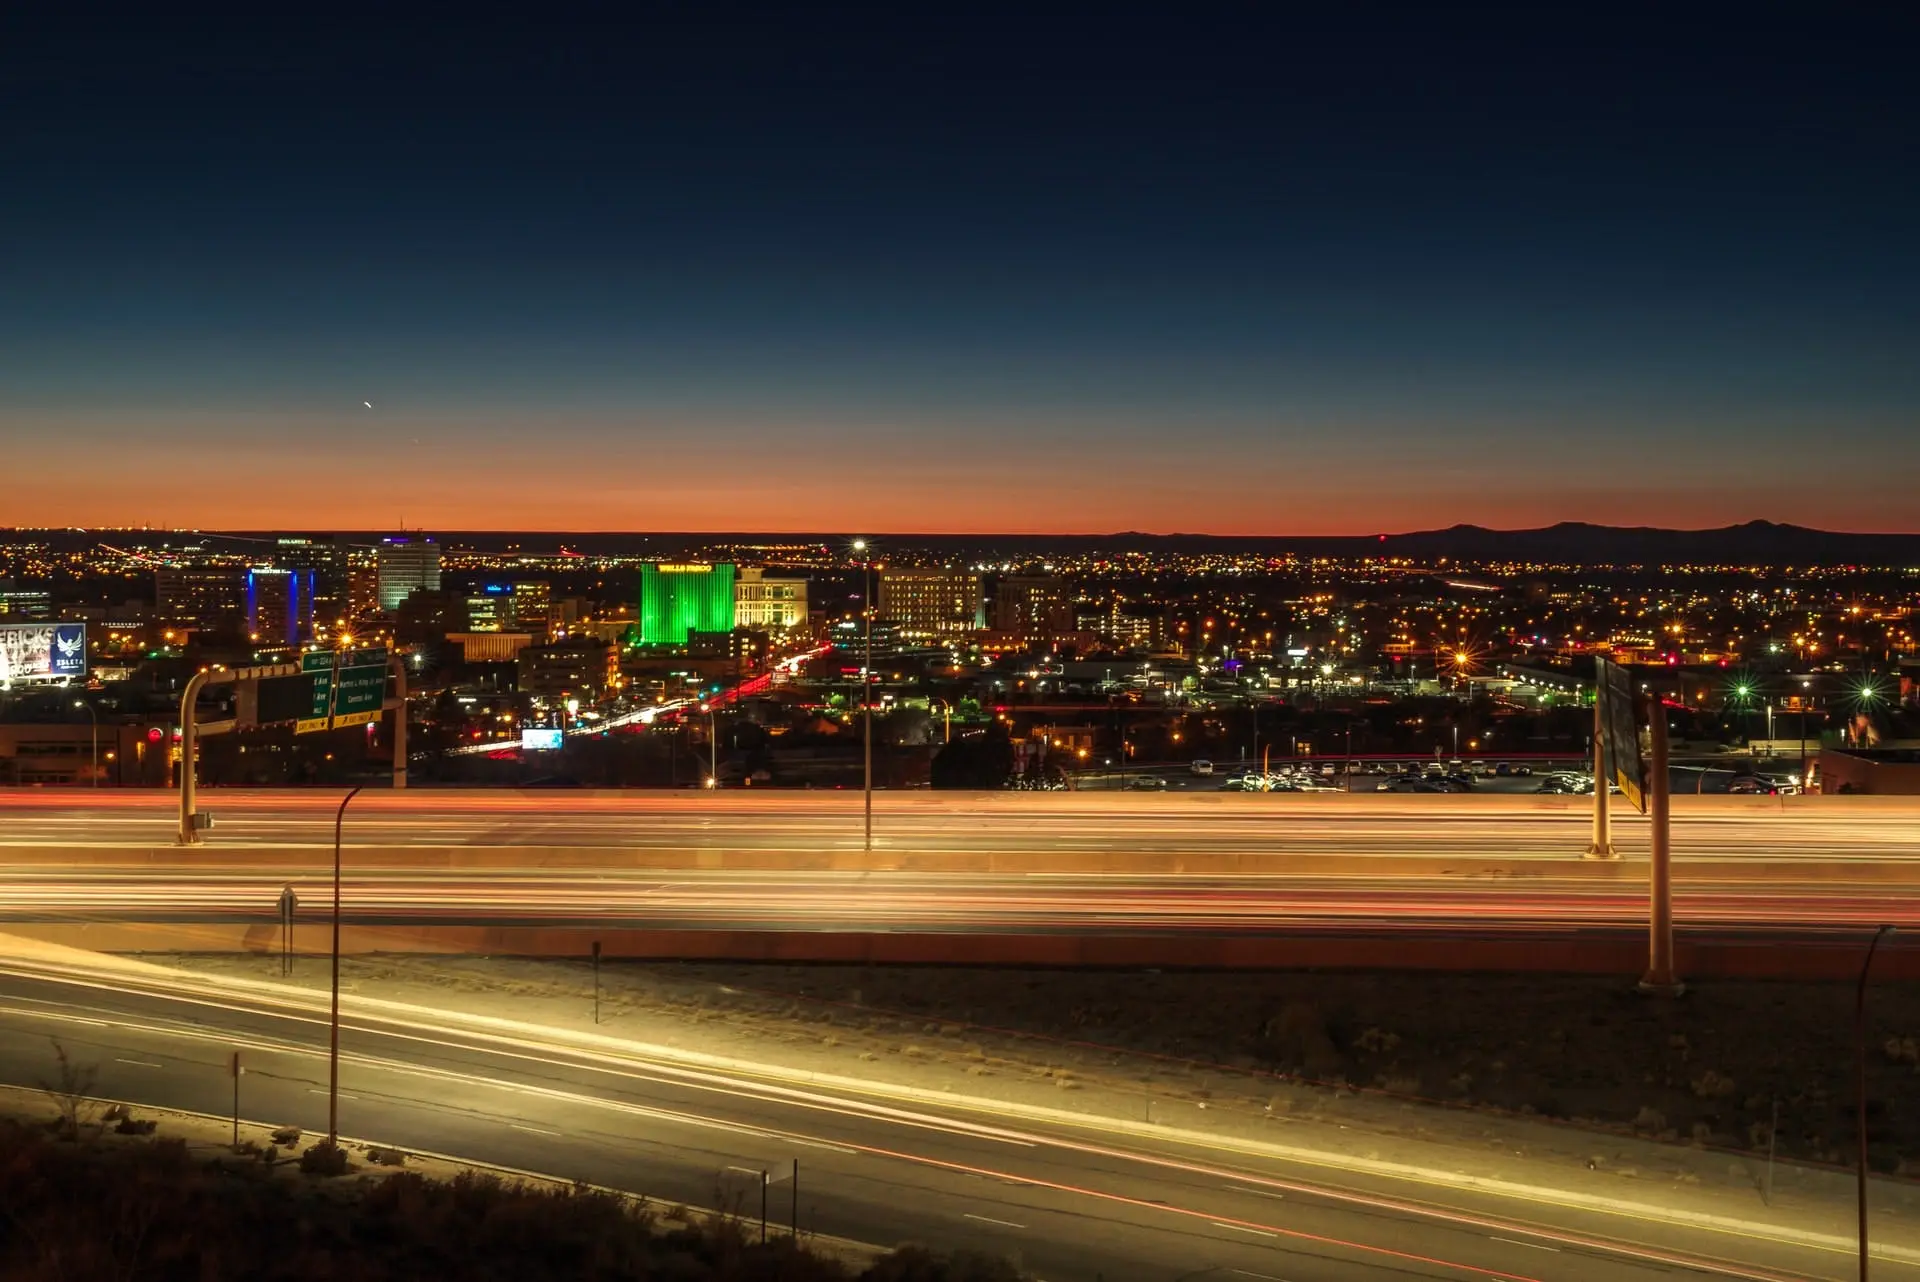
(1601, 846)
(1660, 978)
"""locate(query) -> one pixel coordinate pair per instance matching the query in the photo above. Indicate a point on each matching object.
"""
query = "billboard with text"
(42, 651)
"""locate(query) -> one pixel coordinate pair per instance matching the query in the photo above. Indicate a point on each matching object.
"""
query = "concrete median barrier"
(1620, 953)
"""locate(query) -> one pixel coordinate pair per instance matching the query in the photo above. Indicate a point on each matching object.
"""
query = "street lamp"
(713, 748)
(946, 710)
(95, 718)
(333, 1020)
(866, 690)
(1860, 1067)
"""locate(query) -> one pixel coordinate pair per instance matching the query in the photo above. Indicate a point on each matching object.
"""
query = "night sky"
(962, 270)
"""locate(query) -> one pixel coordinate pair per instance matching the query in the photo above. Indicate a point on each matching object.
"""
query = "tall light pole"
(713, 747)
(333, 1020)
(1860, 1067)
(946, 709)
(95, 718)
(866, 690)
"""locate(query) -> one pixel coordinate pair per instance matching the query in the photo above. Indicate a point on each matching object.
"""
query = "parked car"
(1201, 766)
(1406, 784)
(1147, 783)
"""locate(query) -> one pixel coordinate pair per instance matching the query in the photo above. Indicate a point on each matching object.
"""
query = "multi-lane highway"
(1006, 903)
(1022, 865)
(1332, 826)
(1067, 1193)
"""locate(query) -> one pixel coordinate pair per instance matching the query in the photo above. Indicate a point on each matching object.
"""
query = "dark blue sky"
(725, 269)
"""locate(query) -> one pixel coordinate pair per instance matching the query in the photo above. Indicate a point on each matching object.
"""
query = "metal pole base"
(1602, 852)
(1655, 987)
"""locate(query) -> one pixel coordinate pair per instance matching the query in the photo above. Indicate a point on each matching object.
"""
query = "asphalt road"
(1065, 1199)
(1011, 903)
(1348, 827)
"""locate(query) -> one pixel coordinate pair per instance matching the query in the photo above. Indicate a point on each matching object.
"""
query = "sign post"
(236, 1070)
(1660, 978)
(1601, 847)
(289, 904)
(1644, 781)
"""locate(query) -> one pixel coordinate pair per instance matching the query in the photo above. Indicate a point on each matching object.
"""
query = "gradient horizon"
(966, 275)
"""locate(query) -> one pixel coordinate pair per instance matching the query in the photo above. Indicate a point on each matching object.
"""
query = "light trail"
(626, 1063)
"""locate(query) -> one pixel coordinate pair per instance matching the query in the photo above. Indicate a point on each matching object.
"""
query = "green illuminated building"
(678, 599)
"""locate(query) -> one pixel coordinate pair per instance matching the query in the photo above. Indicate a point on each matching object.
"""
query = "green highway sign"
(319, 666)
(348, 688)
(360, 690)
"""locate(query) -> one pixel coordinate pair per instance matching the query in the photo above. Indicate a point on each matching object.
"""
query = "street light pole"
(189, 834)
(866, 691)
(95, 718)
(713, 748)
(333, 1020)
(1860, 1066)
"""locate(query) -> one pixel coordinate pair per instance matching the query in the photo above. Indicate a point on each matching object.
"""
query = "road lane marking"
(1514, 1241)
(833, 1148)
(1241, 1228)
(315, 1090)
(1241, 1188)
(1265, 1277)
(988, 1219)
(138, 1063)
(532, 1130)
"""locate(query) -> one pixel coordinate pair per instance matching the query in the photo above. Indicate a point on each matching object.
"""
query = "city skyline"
(1261, 277)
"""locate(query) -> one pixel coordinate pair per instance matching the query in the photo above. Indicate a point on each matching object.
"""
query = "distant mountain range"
(1574, 542)
(1568, 543)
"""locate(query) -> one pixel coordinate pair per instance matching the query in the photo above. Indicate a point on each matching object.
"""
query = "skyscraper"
(407, 564)
(676, 599)
(325, 558)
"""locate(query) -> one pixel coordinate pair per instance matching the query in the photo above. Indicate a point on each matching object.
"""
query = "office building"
(676, 599)
(325, 559)
(208, 598)
(577, 668)
(24, 605)
(766, 602)
(934, 604)
(407, 564)
(524, 605)
(280, 605)
(1033, 607)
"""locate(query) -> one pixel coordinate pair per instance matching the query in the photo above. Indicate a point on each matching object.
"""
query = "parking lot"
(1366, 776)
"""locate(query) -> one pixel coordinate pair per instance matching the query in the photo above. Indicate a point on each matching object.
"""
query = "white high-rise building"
(406, 565)
(765, 602)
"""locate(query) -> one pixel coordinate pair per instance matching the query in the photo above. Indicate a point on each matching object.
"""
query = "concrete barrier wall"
(1619, 954)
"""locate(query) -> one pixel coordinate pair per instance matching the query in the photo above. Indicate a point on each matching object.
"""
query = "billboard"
(42, 651)
(1626, 763)
(540, 738)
